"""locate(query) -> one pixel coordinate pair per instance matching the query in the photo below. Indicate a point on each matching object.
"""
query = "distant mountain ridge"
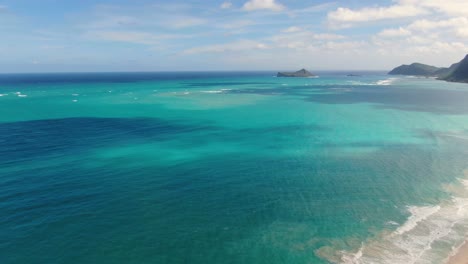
(415, 69)
(444, 72)
(457, 72)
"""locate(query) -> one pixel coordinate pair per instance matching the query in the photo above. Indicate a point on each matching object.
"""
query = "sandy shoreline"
(461, 257)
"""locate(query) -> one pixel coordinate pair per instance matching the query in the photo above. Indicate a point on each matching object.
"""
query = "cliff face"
(444, 72)
(417, 69)
(459, 73)
(300, 73)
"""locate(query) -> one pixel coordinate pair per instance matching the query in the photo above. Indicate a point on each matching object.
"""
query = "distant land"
(457, 72)
(299, 73)
(415, 69)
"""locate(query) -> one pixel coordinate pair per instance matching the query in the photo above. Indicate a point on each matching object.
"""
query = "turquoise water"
(231, 168)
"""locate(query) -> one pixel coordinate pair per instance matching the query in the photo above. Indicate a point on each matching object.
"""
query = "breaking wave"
(430, 235)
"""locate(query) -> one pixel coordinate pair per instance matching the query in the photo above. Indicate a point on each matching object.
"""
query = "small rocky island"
(299, 73)
(457, 72)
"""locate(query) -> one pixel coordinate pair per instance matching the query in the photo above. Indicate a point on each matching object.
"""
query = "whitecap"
(176, 93)
(359, 83)
(22, 95)
(386, 81)
(212, 91)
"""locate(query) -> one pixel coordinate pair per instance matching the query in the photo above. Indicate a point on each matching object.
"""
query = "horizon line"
(190, 71)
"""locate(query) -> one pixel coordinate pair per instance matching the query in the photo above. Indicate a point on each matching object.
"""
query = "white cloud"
(438, 47)
(432, 42)
(418, 40)
(262, 4)
(448, 7)
(345, 17)
(226, 5)
(429, 25)
(462, 32)
(391, 33)
(424, 31)
(451, 28)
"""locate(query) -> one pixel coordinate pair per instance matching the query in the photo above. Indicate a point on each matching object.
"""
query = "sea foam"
(418, 214)
(212, 91)
(388, 81)
(427, 236)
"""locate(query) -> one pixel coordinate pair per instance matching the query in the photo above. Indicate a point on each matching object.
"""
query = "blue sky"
(151, 35)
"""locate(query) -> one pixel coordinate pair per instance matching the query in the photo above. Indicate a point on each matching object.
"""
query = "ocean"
(231, 167)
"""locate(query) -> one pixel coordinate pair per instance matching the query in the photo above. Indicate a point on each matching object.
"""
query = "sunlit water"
(231, 168)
